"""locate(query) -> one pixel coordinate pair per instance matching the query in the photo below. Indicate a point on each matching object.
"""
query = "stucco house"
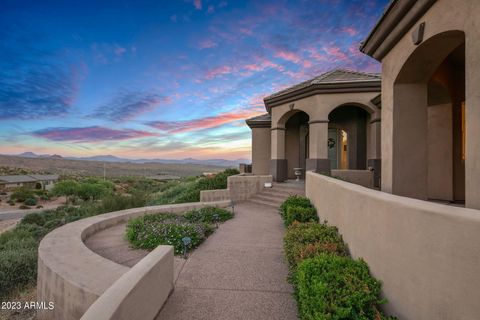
(330, 123)
(415, 129)
(34, 181)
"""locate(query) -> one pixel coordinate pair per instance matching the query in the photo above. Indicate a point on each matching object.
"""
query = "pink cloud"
(263, 64)
(90, 134)
(222, 70)
(314, 54)
(197, 4)
(337, 53)
(350, 30)
(288, 56)
(203, 123)
(307, 64)
(206, 44)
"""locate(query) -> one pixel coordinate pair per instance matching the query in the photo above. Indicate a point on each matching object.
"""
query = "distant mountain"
(111, 158)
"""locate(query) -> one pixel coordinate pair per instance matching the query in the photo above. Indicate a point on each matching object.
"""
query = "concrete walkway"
(239, 272)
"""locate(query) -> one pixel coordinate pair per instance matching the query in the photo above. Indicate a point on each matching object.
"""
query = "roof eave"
(259, 124)
(335, 87)
(399, 17)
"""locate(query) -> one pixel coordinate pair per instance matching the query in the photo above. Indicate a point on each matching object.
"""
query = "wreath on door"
(331, 143)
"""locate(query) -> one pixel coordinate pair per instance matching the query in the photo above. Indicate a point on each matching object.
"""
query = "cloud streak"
(129, 105)
(203, 123)
(90, 134)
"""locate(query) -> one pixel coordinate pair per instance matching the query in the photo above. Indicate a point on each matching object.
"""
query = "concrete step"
(263, 203)
(268, 197)
(277, 194)
(287, 190)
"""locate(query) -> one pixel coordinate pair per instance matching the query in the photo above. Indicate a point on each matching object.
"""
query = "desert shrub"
(335, 287)
(208, 214)
(11, 202)
(68, 188)
(115, 202)
(34, 218)
(30, 202)
(295, 200)
(188, 190)
(307, 240)
(18, 267)
(21, 194)
(300, 214)
(148, 235)
(24, 207)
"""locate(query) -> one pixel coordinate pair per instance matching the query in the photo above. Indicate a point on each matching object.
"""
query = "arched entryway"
(429, 121)
(347, 138)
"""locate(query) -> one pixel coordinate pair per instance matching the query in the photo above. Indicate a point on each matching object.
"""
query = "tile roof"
(337, 76)
(263, 117)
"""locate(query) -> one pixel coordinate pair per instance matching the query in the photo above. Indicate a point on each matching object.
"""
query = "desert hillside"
(95, 168)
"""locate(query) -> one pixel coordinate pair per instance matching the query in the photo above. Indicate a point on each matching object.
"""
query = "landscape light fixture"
(186, 242)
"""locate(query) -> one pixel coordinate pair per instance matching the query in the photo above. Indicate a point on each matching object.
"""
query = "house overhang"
(259, 124)
(399, 17)
(323, 88)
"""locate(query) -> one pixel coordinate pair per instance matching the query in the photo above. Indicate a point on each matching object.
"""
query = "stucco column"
(374, 150)
(278, 163)
(318, 158)
(472, 120)
(261, 139)
(409, 161)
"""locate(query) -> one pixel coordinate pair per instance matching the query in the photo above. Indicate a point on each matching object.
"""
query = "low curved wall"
(426, 254)
(140, 293)
(72, 276)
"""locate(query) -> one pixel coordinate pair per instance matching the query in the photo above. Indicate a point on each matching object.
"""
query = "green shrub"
(30, 202)
(295, 200)
(148, 235)
(307, 240)
(207, 215)
(34, 218)
(21, 194)
(300, 214)
(18, 267)
(334, 287)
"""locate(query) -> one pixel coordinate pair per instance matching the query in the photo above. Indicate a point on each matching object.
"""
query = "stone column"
(374, 152)
(318, 157)
(278, 163)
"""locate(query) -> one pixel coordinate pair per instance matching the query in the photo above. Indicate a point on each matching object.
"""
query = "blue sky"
(162, 79)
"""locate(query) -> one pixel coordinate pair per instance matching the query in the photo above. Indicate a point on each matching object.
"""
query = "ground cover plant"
(329, 284)
(150, 231)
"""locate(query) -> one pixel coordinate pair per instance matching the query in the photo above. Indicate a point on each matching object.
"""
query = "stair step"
(265, 197)
(263, 203)
(286, 191)
(274, 195)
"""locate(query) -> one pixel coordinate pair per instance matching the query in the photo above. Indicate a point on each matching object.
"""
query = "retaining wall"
(427, 255)
(239, 187)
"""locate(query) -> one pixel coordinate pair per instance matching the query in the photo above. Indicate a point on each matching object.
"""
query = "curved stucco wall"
(426, 254)
(72, 276)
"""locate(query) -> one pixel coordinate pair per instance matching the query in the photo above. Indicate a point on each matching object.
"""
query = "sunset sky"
(162, 79)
